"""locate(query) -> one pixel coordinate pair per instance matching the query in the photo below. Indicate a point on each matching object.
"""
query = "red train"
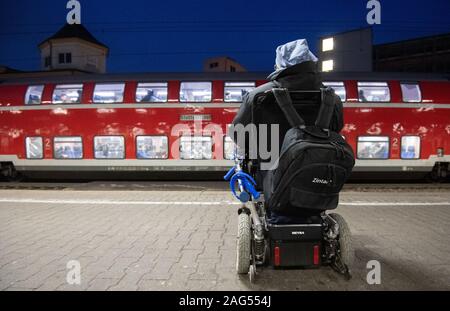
(136, 125)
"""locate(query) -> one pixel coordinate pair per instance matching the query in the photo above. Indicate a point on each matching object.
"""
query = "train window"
(109, 147)
(410, 147)
(34, 147)
(373, 92)
(234, 91)
(109, 93)
(67, 94)
(373, 147)
(230, 149)
(195, 92)
(195, 147)
(338, 88)
(411, 92)
(151, 92)
(68, 148)
(152, 147)
(33, 95)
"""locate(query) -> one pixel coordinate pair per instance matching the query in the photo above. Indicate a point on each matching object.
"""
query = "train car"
(146, 125)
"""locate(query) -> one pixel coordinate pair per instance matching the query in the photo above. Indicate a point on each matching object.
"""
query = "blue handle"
(230, 173)
(247, 185)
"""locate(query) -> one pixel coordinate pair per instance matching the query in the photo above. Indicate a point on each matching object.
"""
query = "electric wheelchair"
(309, 237)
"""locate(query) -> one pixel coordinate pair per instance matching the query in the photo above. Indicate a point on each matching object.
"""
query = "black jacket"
(303, 76)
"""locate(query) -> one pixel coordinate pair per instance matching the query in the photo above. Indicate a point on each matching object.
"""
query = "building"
(426, 54)
(346, 51)
(222, 64)
(73, 47)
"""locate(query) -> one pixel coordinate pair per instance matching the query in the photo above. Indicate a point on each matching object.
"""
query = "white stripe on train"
(209, 105)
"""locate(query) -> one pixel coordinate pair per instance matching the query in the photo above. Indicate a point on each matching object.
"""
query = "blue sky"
(148, 35)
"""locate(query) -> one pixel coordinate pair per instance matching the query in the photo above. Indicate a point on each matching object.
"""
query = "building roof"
(74, 31)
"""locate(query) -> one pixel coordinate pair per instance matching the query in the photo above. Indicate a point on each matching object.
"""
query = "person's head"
(293, 53)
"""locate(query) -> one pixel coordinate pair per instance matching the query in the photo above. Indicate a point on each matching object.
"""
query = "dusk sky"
(157, 36)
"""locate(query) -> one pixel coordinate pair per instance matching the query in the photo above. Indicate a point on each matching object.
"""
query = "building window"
(47, 61)
(327, 44)
(68, 148)
(109, 147)
(109, 93)
(232, 69)
(33, 95)
(373, 92)
(234, 91)
(151, 92)
(195, 92)
(34, 147)
(411, 92)
(65, 58)
(214, 65)
(339, 89)
(67, 94)
(327, 65)
(410, 147)
(195, 147)
(373, 147)
(152, 147)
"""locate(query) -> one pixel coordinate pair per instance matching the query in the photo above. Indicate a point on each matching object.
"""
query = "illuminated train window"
(373, 92)
(195, 92)
(411, 92)
(195, 147)
(67, 94)
(34, 147)
(109, 147)
(234, 91)
(68, 148)
(108, 93)
(410, 147)
(151, 92)
(373, 147)
(33, 95)
(338, 88)
(152, 147)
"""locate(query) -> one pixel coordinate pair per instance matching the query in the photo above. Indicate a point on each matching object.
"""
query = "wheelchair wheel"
(243, 244)
(347, 253)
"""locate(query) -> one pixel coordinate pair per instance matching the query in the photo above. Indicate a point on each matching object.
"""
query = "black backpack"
(314, 162)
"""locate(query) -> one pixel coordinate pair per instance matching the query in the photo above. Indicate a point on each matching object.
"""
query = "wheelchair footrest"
(295, 245)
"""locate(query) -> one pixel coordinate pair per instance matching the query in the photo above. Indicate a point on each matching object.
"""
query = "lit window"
(234, 91)
(67, 93)
(411, 92)
(230, 149)
(338, 88)
(373, 92)
(195, 92)
(109, 147)
(327, 44)
(34, 147)
(34, 95)
(195, 147)
(327, 65)
(373, 147)
(151, 147)
(151, 92)
(410, 147)
(109, 93)
(68, 148)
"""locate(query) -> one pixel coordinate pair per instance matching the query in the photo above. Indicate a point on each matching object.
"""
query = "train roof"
(210, 76)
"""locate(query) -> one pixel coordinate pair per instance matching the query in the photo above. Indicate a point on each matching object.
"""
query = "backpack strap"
(285, 102)
(326, 108)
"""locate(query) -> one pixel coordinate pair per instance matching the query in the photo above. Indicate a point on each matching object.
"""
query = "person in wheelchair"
(288, 226)
(295, 70)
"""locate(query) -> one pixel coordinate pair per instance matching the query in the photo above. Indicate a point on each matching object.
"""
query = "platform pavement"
(184, 239)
